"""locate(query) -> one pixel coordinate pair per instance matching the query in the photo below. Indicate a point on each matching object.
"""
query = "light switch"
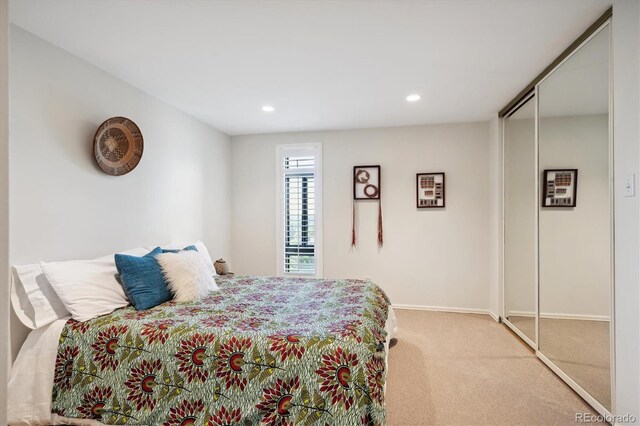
(629, 185)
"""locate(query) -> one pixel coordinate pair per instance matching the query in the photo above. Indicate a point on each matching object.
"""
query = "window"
(300, 208)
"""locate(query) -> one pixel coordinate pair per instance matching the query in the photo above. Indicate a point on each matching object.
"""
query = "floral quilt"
(261, 350)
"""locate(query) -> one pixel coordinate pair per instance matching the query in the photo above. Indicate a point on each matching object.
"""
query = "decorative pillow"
(142, 279)
(87, 288)
(202, 249)
(187, 275)
(34, 300)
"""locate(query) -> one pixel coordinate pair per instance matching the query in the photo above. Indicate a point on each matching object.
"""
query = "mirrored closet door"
(520, 219)
(575, 218)
(558, 217)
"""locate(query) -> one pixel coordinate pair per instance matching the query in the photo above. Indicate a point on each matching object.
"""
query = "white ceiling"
(321, 64)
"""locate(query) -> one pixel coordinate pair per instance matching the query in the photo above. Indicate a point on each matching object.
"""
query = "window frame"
(288, 150)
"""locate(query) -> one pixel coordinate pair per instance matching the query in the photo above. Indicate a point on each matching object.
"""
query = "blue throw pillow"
(142, 279)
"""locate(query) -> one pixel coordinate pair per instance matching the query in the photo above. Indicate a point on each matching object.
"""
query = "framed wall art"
(430, 192)
(560, 188)
(366, 183)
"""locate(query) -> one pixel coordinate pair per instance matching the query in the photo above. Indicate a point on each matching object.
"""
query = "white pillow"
(202, 249)
(34, 300)
(88, 288)
(187, 275)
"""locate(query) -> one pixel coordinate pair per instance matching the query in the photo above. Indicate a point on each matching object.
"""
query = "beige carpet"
(580, 348)
(462, 369)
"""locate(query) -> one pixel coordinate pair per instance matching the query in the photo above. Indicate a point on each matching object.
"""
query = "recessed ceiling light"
(414, 97)
(268, 108)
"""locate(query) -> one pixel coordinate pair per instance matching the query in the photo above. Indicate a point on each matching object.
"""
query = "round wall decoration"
(371, 191)
(118, 146)
(363, 176)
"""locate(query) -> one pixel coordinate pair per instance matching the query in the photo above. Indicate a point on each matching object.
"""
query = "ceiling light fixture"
(414, 97)
(268, 108)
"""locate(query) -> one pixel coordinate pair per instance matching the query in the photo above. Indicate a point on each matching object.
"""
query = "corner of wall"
(4, 206)
(626, 130)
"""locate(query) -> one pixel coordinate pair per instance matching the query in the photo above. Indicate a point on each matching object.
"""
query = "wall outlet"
(629, 185)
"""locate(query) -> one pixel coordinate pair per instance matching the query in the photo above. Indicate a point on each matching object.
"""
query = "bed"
(268, 350)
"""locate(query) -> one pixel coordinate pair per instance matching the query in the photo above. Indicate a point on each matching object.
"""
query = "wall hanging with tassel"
(366, 186)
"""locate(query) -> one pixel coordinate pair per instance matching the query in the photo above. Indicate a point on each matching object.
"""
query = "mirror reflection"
(519, 219)
(575, 218)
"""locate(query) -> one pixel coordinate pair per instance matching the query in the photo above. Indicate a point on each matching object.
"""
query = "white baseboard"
(525, 314)
(446, 309)
(550, 315)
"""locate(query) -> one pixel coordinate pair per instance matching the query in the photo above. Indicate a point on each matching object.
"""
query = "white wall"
(63, 206)
(626, 134)
(575, 251)
(4, 202)
(431, 257)
(575, 265)
(520, 207)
